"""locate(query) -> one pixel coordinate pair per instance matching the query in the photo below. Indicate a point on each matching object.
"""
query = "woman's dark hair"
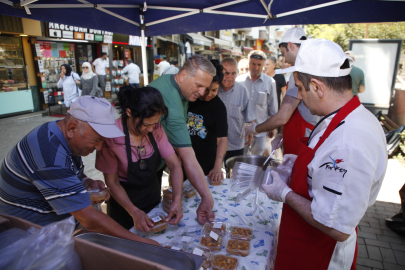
(144, 102)
(219, 76)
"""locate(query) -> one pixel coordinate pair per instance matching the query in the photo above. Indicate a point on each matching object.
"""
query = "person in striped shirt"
(42, 179)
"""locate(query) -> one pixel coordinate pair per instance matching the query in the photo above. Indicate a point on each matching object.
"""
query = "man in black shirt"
(269, 69)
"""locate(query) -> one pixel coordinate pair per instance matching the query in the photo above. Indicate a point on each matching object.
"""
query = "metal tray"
(167, 257)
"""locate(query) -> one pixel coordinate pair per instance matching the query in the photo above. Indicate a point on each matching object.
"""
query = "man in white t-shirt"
(163, 65)
(338, 171)
(99, 67)
(188, 50)
(134, 73)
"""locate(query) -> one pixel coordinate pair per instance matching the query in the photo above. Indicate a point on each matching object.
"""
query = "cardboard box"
(92, 256)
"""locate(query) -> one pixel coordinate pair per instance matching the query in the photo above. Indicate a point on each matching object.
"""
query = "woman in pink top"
(130, 163)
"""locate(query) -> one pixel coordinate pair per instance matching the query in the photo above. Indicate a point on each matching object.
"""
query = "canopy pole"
(143, 47)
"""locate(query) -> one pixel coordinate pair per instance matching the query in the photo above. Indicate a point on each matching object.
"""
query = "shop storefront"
(18, 87)
(124, 48)
(15, 93)
(65, 44)
(204, 46)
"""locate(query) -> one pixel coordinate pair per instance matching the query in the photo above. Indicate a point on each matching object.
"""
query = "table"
(265, 223)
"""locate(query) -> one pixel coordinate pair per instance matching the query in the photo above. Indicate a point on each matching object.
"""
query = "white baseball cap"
(294, 35)
(98, 113)
(320, 57)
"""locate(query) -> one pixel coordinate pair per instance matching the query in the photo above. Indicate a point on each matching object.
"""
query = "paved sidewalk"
(379, 247)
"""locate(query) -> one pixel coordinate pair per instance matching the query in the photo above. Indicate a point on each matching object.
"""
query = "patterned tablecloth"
(265, 223)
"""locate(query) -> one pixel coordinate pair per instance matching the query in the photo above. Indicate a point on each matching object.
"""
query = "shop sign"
(136, 41)
(108, 39)
(66, 27)
(98, 37)
(79, 35)
(67, 34)
(55, 33)
(227, 38)
(71, 46)
(126, 52)
(104, 48)
(89, 36)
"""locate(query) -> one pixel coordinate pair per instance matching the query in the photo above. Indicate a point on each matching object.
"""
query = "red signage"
(47, 46)
(71, 46)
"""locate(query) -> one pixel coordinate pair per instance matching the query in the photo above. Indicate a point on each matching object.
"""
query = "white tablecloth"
(265, 223)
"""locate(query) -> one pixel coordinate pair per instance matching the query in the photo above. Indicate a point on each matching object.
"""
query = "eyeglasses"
(256, 56)
(85, 67)
(141, 153)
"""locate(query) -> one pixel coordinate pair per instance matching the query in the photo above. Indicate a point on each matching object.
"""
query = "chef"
(338, 171)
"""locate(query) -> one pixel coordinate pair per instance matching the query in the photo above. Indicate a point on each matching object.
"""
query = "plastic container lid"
(97, 195)
(238, 247)
(189, 234)
(167, 200)
(159, 222)
(223, 262)
(216, 226)
(242, 232)
(202, 251)
(173, 246)
(188, 191)
(212, 241)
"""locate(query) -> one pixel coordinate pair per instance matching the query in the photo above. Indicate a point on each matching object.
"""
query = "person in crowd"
(89, 82)
(269, 69)
(173, 69)
(67, 82)
(293, 115)
(239, 109)
(130, 163)
(100, 68)
(263, 92)
(162, 66)
(42, 178)
(194, 77)
(208, 127)
(287, 75)
(358, 84)
(133, 72)
(243, 66)
(279, 62)
(338, 171)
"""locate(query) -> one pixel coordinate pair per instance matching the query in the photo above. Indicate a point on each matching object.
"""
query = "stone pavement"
(379, 247)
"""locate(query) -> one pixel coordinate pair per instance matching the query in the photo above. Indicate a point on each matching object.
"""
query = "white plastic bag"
(49, 248)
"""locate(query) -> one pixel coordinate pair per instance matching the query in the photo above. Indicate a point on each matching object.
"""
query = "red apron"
(293, 131)
(300, 245)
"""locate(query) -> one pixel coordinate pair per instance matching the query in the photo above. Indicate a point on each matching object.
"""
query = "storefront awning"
(200, 39)
(221, 42)
(231, 52)
(166, 39)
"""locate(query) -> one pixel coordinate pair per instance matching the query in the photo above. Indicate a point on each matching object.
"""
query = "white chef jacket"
(345, 176)
(133, 72)
(100, 65)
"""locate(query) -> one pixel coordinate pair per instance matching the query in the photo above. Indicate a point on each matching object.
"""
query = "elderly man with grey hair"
(177, 90)
(239, 109)
(263, 91)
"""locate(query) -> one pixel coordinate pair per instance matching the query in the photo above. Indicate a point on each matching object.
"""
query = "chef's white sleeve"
(342, 180)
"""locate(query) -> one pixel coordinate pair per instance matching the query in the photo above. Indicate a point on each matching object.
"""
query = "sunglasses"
(141, 153)
(85, 67)
(258, 57)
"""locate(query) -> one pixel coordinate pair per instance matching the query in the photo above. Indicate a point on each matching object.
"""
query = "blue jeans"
(134, 85)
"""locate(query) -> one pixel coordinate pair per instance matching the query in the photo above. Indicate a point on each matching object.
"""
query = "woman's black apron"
(142, 186)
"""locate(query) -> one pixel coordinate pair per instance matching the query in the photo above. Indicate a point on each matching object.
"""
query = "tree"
(342, 33)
